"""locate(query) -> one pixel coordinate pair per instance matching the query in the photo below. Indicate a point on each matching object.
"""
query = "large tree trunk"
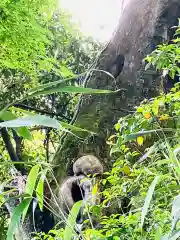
(142, 25)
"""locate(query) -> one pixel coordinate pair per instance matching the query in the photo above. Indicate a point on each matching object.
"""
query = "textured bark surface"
(142, 25)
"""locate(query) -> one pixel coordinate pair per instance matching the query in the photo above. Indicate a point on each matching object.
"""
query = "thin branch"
(122, 110)
(26, 107)
(46, 143)
(8, 145)
(66, 104)
(18, 141)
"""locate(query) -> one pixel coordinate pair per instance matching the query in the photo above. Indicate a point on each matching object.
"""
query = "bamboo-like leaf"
(40, 192)
(21, 131)
(51, 84)
(71, 221)
(133, 136)
(74, 128)
(30, 184)
(61, 82)
(16, 216)
(148, 200)
(67, 89)
(41, 120)
(31, 121)
(158, 233)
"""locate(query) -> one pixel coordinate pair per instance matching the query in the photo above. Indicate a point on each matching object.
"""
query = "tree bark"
(143, 24)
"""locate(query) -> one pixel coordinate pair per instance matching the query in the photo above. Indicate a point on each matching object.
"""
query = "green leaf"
(16, 216)
(158, 233)
(24, 132)
(31, 121)
(50, 84)
(67, 89)
(148, 200)
(21, 131)
(175, 236)
(135, 135)
(71, 221)
(30, 184)
(40, 191)
(7, 115)
(73, 127)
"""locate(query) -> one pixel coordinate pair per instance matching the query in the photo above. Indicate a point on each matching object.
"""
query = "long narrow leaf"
(74, 128)
(148, 200)
(31, 121)
(30, 184)
(51, 84)
(158, 233)
(67, 89)
(54, 84)
(40, 191)
(71, 221)
(16, 216)
(135, 135)
(21, 131)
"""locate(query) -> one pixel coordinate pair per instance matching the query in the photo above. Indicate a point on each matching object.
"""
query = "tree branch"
(26, 107)
(10, 149)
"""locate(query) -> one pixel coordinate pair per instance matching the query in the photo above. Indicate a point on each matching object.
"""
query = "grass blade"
(16, 216)
(40, 192)
(148, 200)
(71, 221)
(66, 89)
(30, 185)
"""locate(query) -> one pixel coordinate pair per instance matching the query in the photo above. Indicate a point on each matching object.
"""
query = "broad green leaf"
(71, 221)
(148, 200)
(16, 216)
(7, 115)
(30, 184)
(23, 132)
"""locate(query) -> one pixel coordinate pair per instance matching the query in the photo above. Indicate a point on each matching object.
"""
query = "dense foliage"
(41, 58)
(141, 192)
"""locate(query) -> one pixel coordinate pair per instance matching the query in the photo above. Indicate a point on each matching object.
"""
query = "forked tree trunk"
(142, 25)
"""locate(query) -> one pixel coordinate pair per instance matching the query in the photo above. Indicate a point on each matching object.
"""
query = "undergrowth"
(141, 193)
